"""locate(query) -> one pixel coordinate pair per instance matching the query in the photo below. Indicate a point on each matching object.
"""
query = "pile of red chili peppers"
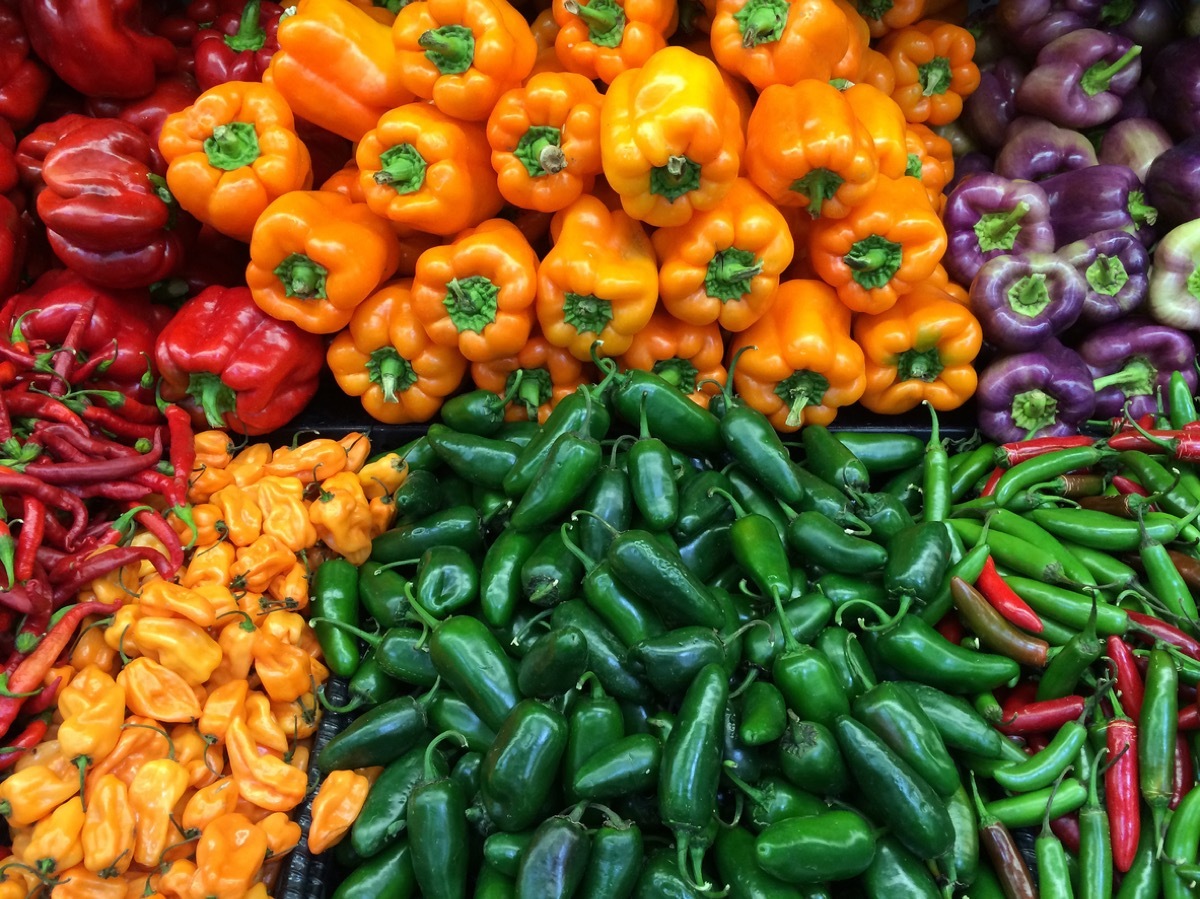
(85, 455)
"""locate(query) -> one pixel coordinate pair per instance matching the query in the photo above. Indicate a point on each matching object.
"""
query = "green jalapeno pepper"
(935, 474)
(706, 553)
(756, 498)
(898, 720)
(1069, 608)
(500, 587)
(809, 683)
(743, 760)
(483, 461)
(819, 496)
(763, 718)
(468, 772)
(610, 500)
(758, 550)
(606, 652)
(491, 884)
(418, 455)
(690, 771)
(834, 846)
(554, 663)
(503, 851)
(631, 618)
(961, 863)
(583, 410)
(397, 651)
(917, 560)
(670, 661)
(573, 460)
(809, 757)
(335, 598)
(370, 686)
(480, 412)
(437, 828)
(753, 441)
(884, 514)
(456, 526)
(447, 580)
(629, 765)
(652, 479)
(804, 617)
(614, 862)
(448, 712)
(819, 539)
(387, 875)
(671, 416)
(849, 660)
(555, 862)
(596, 721)
(698, 509)
(660, 877)
(381, 591)
(894, 871)
(883, 453)
(774, 799)
(521, 767)
(384, 814)
(906, 487)
(552, 572)
(832, 461)
(659, 577)
(737, 864)
(960, 726)
(841, 589)
(376, 737)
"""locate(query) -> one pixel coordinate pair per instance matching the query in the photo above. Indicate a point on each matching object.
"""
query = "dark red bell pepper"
(101, 48)
(232, 365)
(172, 94)
(239, 45)
(23, 80)
(31, 151)
(108, 215)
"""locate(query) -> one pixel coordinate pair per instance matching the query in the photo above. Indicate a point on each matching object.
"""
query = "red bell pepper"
(238, 46)
(23, 80)
(99, 47)
(108, 215)
(33, 147)
(13, 227)
(233, 366)
(172, 94)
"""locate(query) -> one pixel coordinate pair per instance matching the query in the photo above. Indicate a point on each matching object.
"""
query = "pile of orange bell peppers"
(178, 747)
(676, 181)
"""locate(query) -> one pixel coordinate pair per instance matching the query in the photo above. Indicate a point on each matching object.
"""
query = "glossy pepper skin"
(603, 40)
(1174, 296)
(1172, 184)
(934, 70)
(549, 374)
(336, 67)
(1036, 149)
(1023, 300)
(252, 374)
(671, 138)
(682, 353)
(1046, 392)
(99, 49)
(231, 153)
(238, 45)
(24, 81)
(988, 216)
(920, 349)
(876, 253)
(598, 282)
(1116, 268)
(1099, 198)
(420, 168)
(1132, 360)
(989, 111)
(1176, 101)
(462, 54)
(806, 147)
(545, 140)
(801, 365)
(98, 163)
(315, 256)
(1080, 79)
(778, 42)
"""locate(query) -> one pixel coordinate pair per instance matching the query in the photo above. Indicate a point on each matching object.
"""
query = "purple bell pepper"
(1131, 360)
(1173, 184)
(1037, 149)
(1100, 198)
(989, 111)
(1047, 392)
(1116, 268)
(1081, 78)
(1176, 77)
(1175, 283)
(1134, 105)
(1134, 143)
(1021, 301)
(1032, 24)
(988, 216)
(969, 165)
(1151, 24)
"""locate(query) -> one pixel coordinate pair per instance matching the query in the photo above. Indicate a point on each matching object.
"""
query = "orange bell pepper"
(930, 161)
(807, 148)
(779, 41)
(934, 71)
(920, 349)
(850, 66)
(345, 181)
(92, 706)
(548, 373)
(108, 830)
(889, 243)
(462, 54)
(422, 169)
(599, 282)
(263, 780)
(545, 140)
(889, 15)
(231, 153)
(387, 360)
(476, 293)
(336, 67)
(382, 11)
(683, 353)
(229, 857)
(884, 120)
(724, 264)
(797, 364)
(336, 806)
(315, 256)
(671, 139)
(156, 789)
(155, 691)
(601, 39)
(876, 70)
(941, 279)
(54, 845)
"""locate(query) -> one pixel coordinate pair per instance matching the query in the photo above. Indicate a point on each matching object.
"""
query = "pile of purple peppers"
(1075, 217)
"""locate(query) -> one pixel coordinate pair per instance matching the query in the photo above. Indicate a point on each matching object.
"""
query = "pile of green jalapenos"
(694, 660)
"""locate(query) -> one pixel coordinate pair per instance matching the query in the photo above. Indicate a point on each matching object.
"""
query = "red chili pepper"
(6, 430)
(183, 450)
(95, 447)
(120, 491)
(1017, 698)
(1066, 829)
(990, 486)
(55, 533)
(158, 527)
(1133, 439)
(1011, 454)
(106, 358)
(26, 485)
(1189, 717)
(33, 530)
(1130, 689)
(1121, 788)
(17, 599)
(1041, 717)
(63, 474)
(1185, 776)
(1126, 486)
(81, 571)
(1160, 630)
(21, 402)
(154, 482)
(951, 628)
(44, 700)
(1036, 743)
(30, 737)
(108, 420)
(64, 358)
(1005, 601)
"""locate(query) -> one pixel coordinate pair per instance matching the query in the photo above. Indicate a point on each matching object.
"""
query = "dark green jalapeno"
(960, 726)
(448, 712)
(503, 851)
(437, 830)
(397, 651)
(775, 799)
(652, 479)
(610, 500)
(809, 683)
(387, 875)
(894, 871)
(370, 686)
(335, 599)
(883, 453)
(480, 412)
(884, 514)
(500, 587)
(631, 618)
(841, 589)
(596, 721)
(753, 441)
(832, 461)
(818, 539)
(671, 660)
(376, 737)
(660, 877)
(898, 720)
(552, 572)
(381, 591)
(818, 496)
(906, 487)
(706, 553)
(447, 580)
(659, 577)
(849, 660)
(743, 760)
(483, 461)
(614, 862)
(834, 846)
(759, 551)
(809, 757)
(491, 884)
(763, 716)
(521, 767)
(573, 460)
(553, 664)
(671, 416)
(418, 497)
(698, 509)
(468, 771)
(756, 498)
(583, 409)
(630, 765)
(805, 617)
(456, 526)
(737, 865)
(555, 862)
(606, 652)
(383, 817)
(917, 560)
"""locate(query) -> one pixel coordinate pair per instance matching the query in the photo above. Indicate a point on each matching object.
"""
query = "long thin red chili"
(24, 484)
(1126, 486)
(17, 598)
(1160, 630)
(36, 405)
(6, 430)
(1066, 828)
(1188, 717)
(951, 628)
(64, 359)
(110, 421)
(97, 447)
(121, 491)
(182, 450)
(99, 565)
(1005, 601)
(158, 527)
(62, 474)
(1121, 789)
(1040, 717)
(1010, 454)
(85, 371)
(33, 530)
(1130, 689)
(44, 700)
(990, 486)
(1185, 776)
(30, 737)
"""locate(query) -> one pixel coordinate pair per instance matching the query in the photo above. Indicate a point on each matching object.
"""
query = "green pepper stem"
(431, 773)
(738, 509)
(421, 612)
(250, 35)
(158, 730)
(591, 514)
(1097, 77)
(450, 48)
(354, 703)
(574, 549)
(233, 146)
(372, 640)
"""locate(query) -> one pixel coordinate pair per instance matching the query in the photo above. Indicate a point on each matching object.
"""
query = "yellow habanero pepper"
(261, 722)
(342, 517)
(313, 461)
(80, 883)
(242, 516)
(201, 758)
(263, 780)
(383, 514)
(156, 788)
(203, 484)
(157, 692)
(671, 138)
(283, 834)
(55, 843)
(300, 717)
(260, 563)
(384, 476)
(358, 449)
(209, 526)
(93, 710)
(237, 643)
(209, 565)
(336, 806)
(222, 705)
(229, 856)
(108, 828)
(30, 794)
(213, 448)
(165, 598)
(178, 645)
(284, 669)
(290, 589)
(90, 649)
(209, 803)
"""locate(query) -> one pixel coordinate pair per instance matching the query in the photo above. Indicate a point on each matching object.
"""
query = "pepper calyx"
(391, 371)
(471, 303)
(587, 313)
(302, 278)
(919, 365)
(233, 146)
(730, 272)
(215, 398)
(1029, 296)
(1033, 410)
(762, 21)
(1107, 275)
(874, 260)
(451, 48)
(402, 167)
(679, 176)
(999, 230)
(801, 389)
(818, 186)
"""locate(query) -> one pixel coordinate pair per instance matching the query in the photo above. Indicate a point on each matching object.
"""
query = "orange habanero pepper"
(209, 803)
(242, 516)
(90, 649)
(358, 449)
(108, 828)
(209, 565)
(155, 691)
(285, 517)
(261, 722)
(213, 448)
(920, 349)
(342, 517)
(263, 780)
(934, 71)
(283, 834)
(260, 563)
(29, 794)
(462, 54)
(799, 364)
(92, 706)
(548, 373)
(153, 794)
(598, 282)
(890, 242)
(476, 293)
(545, 140)
(779, 41)
(80, 883)
(231, 153)
(222, 705)
(178, 645)
(724, 264)
(671, 138)
(387, 360)
(54, 845)
(383, 476)
(422, 169)
(336, 806)
(807, 148)
(229, 856)
(309, 462)
(166, 598)
(601, 39)
(680, 352)
(291, 588)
